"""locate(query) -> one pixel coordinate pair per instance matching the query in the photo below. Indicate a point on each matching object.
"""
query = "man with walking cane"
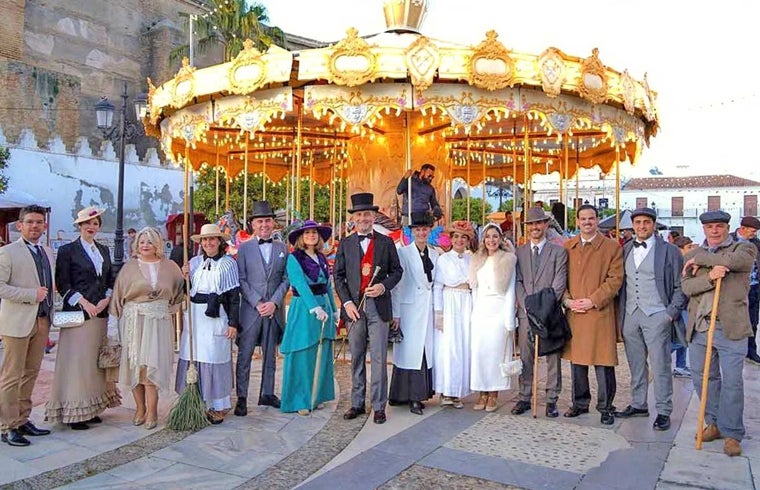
(540, 265)
(367, 266)
(720, 260)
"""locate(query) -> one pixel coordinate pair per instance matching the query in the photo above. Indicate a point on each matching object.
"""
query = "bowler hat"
(210, 230)
(421, 219)
(751, 222)
(535, 214)
(262, 209)
(715, 217)
(648, 212)
(324, 231)
(363, 201)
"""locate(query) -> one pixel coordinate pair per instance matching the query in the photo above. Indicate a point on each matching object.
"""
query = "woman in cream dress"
(492, 278)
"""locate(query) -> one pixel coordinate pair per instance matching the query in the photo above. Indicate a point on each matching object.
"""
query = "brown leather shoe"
(482, 400)
(379, 417)
(732, 447)
(711, 433)
(491, 404)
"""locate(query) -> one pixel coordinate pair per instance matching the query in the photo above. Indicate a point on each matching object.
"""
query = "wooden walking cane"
(317, 366)
(708, 359)
(535, 376)
(361, 306)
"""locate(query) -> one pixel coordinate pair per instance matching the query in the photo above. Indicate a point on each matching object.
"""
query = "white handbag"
(68, 319)
(513, 367)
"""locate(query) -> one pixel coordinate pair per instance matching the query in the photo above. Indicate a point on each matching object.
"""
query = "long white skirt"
(452, 346)
(490, 344)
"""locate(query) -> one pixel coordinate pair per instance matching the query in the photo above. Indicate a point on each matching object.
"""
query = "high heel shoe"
(303, 412)
(150, 424)
(138, 420)
(482, 400)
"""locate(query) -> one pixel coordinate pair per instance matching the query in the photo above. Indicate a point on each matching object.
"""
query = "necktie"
(640, 244)
(367, 236)
(263, 241)
(534, 260)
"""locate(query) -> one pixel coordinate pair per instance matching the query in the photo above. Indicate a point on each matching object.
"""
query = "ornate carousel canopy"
(364, 107)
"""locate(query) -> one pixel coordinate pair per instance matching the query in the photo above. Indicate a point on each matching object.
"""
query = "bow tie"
(640, 244)
(367, 236)
(263, 241)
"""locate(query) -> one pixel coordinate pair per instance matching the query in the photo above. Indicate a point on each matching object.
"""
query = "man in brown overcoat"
(594, 276)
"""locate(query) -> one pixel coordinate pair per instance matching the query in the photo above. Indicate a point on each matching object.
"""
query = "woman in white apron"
(215, 302)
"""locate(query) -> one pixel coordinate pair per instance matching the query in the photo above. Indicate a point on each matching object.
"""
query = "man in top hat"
(419, 184)
(26, 289)
(367, 268)
(540, 264)
(651, 302)
(748, 231)
(719, 257)
(263, 283)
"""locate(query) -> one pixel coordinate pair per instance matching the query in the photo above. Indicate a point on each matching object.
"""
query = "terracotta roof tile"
(692, 182)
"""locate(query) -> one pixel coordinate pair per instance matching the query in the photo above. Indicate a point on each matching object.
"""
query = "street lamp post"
(104, 115)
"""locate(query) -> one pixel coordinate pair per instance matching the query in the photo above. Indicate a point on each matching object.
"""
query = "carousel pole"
(245, 183)
(216, 168)
(264, 179)
(299, 133)
(516, 231)
(408, 156)
(311, 187)
(227, 185)
(577, 176)
(469, 188)
(526, 170)
(617, 191)
(333, 159)
(567, 159)
(287, 197)
(483, 187)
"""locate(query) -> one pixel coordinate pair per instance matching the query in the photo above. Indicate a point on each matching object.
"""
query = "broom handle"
(535, 376)
(186, 238)
(708, 359)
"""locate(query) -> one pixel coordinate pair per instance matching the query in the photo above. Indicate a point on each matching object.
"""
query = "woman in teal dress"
(313, 303)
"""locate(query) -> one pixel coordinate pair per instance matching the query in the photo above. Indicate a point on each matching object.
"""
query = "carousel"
(356, 115)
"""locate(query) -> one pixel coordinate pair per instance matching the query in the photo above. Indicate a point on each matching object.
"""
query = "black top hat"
(261, 209)
(421, 219)
(363, 201)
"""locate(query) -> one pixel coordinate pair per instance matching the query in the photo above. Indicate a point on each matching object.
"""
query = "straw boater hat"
(324, 231)
(463, 228)
(87, 214)
(536, 214)
(209, 230)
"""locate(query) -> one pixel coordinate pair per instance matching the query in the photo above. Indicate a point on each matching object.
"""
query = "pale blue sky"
(701, 58)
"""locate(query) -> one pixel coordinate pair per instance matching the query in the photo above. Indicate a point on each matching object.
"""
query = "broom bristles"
(189, 413)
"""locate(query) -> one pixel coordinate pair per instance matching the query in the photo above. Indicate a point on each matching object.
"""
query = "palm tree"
(230, 22)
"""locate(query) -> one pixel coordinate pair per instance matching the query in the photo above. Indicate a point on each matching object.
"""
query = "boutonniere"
(282, 254)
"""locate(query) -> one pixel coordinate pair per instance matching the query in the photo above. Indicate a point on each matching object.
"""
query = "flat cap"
(715, 217)
(682, 241)
(751, 222)
(644, 212)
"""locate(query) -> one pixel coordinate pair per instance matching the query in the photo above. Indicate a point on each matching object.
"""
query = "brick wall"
(12, 29)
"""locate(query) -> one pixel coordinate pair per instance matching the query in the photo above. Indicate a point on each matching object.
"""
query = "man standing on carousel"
(423, 199)
(366, 269)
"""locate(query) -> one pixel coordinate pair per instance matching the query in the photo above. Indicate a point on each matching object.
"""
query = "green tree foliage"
(230, 22)
(459, 209)
(5, 155)
(506, 206)
(204, 196)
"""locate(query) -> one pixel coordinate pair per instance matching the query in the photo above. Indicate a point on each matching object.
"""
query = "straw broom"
(189, 413)
(708, 359)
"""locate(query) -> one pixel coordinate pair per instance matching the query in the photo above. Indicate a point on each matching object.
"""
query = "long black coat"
(75, 273)
(547, 321)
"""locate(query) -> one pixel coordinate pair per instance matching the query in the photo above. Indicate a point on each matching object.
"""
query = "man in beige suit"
(26, 290)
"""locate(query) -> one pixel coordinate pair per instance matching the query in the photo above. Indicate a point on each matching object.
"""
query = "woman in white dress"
(492, 278)
(453, 307)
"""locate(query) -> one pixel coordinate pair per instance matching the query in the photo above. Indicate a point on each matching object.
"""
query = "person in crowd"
(540, 265)
(594, 277)
(626, 236)
(26, 289)
(129, 244)
(453, 307)
(678, 342)
(311, 322)
(419, 184)
(367, 268)
(492, 277)
(264, 284)
(650, 309)
(147, 292)
(719, 257)
(177, 254)
(214, 311)
(673, 235)
(85, 278)
(748, 231)
(412, 299)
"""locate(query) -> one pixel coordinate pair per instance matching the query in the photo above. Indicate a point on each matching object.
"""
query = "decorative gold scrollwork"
(628, 91)
(248, 71)
(490, 66)
(422, 60)
(551, 67)
(352, 62)
(592, 84)
(184, 84)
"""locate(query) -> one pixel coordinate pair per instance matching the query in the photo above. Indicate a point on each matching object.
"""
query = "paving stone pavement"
(446, 448)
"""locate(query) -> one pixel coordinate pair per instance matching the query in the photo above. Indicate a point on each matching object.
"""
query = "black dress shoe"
(28, 429)
(395, 403)
(15, 438)
(270, 400)
(79, 426)
(415, 408)
(632, 412)
(574, 412)
(422, 404)
(241, 407)
(94, 420)
(354, 412)
(607, 418)
(379, 417)
(551, 410)
(662, 422)
(520, 408)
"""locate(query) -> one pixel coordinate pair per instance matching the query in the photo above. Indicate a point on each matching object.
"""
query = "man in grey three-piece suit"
(650, 307)
(540, 264)
(263, 284)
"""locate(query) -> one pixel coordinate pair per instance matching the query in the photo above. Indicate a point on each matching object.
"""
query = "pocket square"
(281, 255)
